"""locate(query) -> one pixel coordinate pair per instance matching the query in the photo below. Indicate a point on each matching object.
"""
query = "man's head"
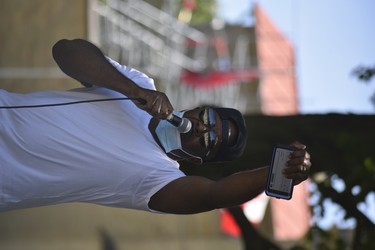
(217, 134)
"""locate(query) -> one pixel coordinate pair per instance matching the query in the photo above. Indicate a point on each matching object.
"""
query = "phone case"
(277, 185)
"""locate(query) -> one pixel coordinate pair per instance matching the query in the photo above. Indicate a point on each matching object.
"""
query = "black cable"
(70, 103)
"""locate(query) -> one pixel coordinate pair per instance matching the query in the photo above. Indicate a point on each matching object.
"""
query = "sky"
(331, 38)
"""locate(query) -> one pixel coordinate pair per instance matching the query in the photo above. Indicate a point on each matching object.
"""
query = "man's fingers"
(156, 104)
(298, 145)
(160, 108)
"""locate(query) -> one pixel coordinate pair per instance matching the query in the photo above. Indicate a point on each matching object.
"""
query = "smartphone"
(277, 185)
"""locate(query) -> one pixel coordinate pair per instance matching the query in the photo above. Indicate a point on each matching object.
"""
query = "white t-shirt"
(100, 152)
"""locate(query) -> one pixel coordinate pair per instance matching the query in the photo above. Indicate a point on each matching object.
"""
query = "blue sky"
(331, 38)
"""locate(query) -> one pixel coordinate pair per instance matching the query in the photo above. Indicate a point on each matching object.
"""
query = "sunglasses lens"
(208, 139)
(208, 117)
(211, 139)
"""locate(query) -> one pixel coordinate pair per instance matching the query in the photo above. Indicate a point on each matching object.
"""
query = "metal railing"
(144, 37)
(149, 39)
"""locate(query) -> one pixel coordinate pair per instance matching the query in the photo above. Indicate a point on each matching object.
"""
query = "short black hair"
(229, 152)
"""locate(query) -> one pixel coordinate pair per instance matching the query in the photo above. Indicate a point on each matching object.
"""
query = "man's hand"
(299, 165)
(155, 103)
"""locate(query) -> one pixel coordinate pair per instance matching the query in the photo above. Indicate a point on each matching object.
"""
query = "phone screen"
(277, 185)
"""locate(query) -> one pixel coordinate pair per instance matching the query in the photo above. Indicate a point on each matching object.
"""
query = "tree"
(365, 74)
(199, 11)
(340, 145)
(204, 13)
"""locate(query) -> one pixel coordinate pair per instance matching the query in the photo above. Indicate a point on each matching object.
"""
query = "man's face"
(205, 137)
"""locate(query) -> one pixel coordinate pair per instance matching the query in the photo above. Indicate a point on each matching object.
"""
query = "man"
(113, 152)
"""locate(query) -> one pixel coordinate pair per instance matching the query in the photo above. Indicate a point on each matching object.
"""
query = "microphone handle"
(174, 120)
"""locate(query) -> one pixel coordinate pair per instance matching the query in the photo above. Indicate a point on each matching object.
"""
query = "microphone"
(183, 125)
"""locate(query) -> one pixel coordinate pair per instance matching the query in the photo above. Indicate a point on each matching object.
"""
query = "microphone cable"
(70, 103)
(182, 124)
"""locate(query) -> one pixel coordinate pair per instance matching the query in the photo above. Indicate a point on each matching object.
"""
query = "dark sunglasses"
(209, 138)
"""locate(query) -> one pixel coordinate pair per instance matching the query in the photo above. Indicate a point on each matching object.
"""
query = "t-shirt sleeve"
(141, 79)
(155, 181)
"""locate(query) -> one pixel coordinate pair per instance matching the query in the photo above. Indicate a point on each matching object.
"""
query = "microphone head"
(184, 126)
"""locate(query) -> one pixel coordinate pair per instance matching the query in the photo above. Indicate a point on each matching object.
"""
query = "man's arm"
(86, 63)
(194, 194)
